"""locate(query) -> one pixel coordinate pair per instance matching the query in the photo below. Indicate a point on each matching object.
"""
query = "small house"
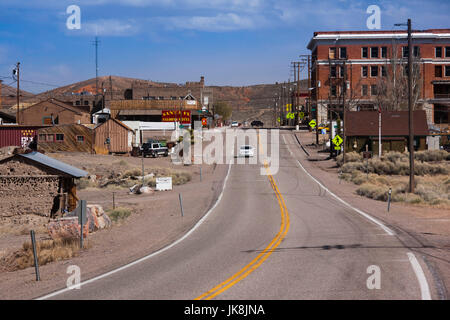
(112, 136)
(53, 112)
(362, 130)
(33, 183)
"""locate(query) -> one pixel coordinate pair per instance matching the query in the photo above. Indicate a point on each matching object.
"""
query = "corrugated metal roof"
(55, 164)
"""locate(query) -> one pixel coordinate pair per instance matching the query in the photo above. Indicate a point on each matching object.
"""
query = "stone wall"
(26, 189)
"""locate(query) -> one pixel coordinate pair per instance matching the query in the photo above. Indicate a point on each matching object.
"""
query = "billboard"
(183, 116)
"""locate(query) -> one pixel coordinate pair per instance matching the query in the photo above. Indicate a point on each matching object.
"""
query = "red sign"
(204, 121)
(183, 116)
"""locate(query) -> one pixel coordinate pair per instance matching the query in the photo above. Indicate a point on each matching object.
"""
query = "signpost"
(82, 218)
(337, 142)
(301, 115)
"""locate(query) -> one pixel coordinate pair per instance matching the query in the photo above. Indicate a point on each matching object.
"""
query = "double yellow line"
(255, 263)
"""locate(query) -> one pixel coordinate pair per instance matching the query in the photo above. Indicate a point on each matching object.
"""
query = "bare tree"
(393, 84)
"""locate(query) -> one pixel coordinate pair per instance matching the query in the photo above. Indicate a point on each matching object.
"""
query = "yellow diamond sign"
(312, 123)
(337, 140)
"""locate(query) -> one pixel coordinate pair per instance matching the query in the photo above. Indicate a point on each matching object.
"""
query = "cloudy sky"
(230, 42)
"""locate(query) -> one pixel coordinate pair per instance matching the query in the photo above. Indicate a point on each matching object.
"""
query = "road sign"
(312, 123)
(337, 148)
(290, 115)
(301, 115)
(204, 121)
(278, 119)
(337, 140)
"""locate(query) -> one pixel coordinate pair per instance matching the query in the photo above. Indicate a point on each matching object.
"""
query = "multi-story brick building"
(351, 64)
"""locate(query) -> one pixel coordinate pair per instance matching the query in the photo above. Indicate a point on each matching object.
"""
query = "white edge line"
(424, 289)
(150, 255)
(367, 216)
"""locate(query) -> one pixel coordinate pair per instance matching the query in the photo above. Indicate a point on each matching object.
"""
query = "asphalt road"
(280, 237)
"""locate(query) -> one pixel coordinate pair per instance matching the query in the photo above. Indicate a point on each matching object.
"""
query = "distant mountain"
(9, 98)
(248, 102)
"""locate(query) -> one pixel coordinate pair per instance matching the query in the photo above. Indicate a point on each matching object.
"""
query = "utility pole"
(17, 72)
(96, 42)
(410, 106)
(344, 90)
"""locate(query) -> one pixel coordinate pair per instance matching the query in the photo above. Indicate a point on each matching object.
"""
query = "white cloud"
(218, 23)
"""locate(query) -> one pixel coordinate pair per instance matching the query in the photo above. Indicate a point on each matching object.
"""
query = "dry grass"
(48, 251)
(119, 214)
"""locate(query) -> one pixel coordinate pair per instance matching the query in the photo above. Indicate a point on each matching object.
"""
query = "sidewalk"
(424, 230)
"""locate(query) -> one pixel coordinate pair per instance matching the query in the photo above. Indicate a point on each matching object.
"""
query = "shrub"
(119, 214)
(132, 173)
(432, 155)
(84, 183)
(373, 191)
(394, 156)
(352, 166)
(349, 157)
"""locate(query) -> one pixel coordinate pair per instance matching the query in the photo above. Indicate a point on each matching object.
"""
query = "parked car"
(257, 123)
(154, 150)
(234, 124)
(246, 151)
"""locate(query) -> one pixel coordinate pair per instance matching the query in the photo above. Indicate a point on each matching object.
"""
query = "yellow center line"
(255, 263)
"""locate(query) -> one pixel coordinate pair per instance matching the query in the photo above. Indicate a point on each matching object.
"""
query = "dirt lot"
(423, 228)
(155, 222)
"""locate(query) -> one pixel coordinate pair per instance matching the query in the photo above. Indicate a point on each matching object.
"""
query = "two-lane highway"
(269, 237)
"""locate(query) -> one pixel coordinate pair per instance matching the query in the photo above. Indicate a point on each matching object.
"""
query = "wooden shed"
(113, 136)
(69, 137)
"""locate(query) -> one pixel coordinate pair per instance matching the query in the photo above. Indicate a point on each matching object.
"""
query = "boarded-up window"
(50, 137)
(42, 137)
(47, 120)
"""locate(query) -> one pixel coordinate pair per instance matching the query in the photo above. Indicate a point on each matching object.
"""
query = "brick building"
(353, 62)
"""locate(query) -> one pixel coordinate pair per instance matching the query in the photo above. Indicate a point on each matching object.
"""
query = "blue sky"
(230, 42)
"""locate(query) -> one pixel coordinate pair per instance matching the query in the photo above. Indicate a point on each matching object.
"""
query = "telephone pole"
(96, 42)
(17, 72)
(410, 106)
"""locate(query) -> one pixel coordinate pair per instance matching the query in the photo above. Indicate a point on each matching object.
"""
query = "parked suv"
(257, 123)
(154, 149)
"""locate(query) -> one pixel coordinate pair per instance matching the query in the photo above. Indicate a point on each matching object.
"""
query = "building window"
(332, 53)
(50, 138)
(343, 53)
(161, 98)
(447, 52)
(438, 71)
(438, 52)
(416, 51)
(77, 103)
(333, 91)
(80, 138)
(364, 71)
(59, 137)
(365, 52)
(405, 70)
(374, 71)
(383, 71)
(86, 103)
(374, 90)
(342, 71)
(42, 137)
(333, 72)
(374, 52)
(364, 90)
(405, 52)
(384, 52)
(47, 120)
(447, 71)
